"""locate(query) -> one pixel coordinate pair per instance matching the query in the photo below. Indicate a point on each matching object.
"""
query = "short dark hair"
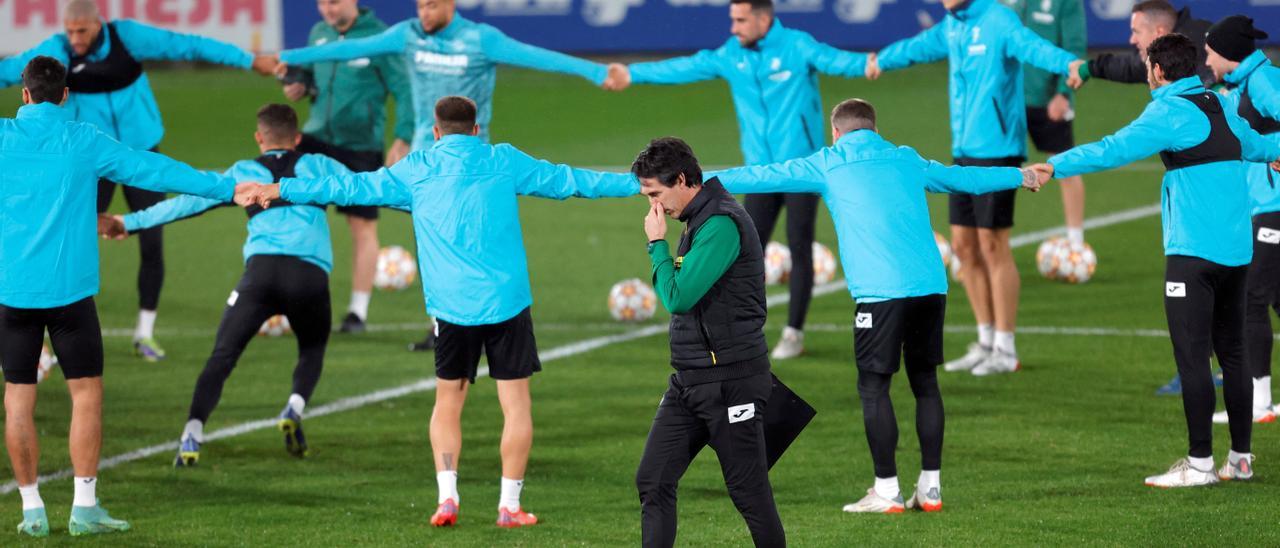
(852, 115)
(1175, 54)
(756, 5)
(455, 114)
(277, 122)
(45, 79)
(666, 159)
(1158, 9)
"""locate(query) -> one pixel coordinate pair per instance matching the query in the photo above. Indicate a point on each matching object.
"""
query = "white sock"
(297, 403)
(1234, 457)
(793, 333)
(986, 333)
(447, 484)
(1004, 343)
(1075, 235)
(1204, 464)
(195, 429)
(930, 479)
(86, 492)
(360, 304)
(146, 325)
(31, 497)
(888, 487)
(1262, 393)
(510, 498)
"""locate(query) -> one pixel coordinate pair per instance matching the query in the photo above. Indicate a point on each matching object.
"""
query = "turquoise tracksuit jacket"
(297, 231)
(774, 86)
(129, 115)
(462, 194)
(49, 200)
(1204, 208)
(876, 194)
(1262, 79)
(460, 59)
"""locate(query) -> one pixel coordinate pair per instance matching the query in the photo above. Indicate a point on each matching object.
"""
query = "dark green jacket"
(348, 105)
(1061, 22)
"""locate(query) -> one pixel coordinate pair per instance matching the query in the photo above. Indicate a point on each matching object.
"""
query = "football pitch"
(1052, 455)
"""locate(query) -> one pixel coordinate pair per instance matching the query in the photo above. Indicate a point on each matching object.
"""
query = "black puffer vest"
(722, 337)
(117, 71)
(1220, 146)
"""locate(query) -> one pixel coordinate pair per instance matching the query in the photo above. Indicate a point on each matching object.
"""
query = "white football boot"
(927, 502)
(997, 362)
(1260, 416)
(1241, 470)
(975, 355)
(876, 504)
(790, 345)
(1182, 474)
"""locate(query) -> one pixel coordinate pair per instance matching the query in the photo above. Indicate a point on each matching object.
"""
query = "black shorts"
(1047, 135)
(355, 160)
(73, 329)
(509, 346)
(992, 210)
(886, 332)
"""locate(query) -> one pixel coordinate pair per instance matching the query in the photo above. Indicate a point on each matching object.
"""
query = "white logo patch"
(775, 64)
(358, 63)
(739, 413)
(76, 69)
(322, 41)
(1268, 235)
(862, 321)
(780, 76)
(235, 296)
(1175, 289)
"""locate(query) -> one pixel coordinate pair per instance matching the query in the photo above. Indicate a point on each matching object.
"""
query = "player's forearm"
(169, 211)
(975, 180)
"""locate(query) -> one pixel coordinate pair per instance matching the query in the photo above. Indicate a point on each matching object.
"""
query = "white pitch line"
(572, 349)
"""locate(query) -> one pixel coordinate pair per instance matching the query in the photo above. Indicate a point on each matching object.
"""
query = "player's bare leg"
(517, 440)
(973, 275)
(87, 516)
(1073, 206)
(1006, 285)
(446, 446)
(364, 264)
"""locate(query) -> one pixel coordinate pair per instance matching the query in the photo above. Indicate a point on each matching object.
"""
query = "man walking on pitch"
(1050, 110)
(288, 258)
(462, 194)
(714, 289)
(1235, 59)
(772, 72)
(982, 40)
(348, 114)
(1205, 214)
(110, 90)
(49, 275)
(876, 194)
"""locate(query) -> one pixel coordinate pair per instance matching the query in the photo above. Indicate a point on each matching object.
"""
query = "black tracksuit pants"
(728, 416)
(802, 214)
(1263, 293)
(272, 284)
(1205, 306)
(150, 241)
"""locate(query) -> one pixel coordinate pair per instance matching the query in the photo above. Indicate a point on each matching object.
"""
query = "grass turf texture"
(1054, 454)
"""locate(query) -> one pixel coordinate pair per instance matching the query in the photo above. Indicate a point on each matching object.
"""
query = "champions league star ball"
(275, 326)
(632, 301)
(47, 362)
(1059, 259)
(396, 269)
(824, 264)
(777, 263)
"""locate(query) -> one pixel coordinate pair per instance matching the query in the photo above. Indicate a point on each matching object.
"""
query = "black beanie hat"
(1233, 37)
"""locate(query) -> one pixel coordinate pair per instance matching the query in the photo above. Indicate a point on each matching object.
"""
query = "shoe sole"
(445, 522)
(895, 510)
(290, 428)
(95, 530)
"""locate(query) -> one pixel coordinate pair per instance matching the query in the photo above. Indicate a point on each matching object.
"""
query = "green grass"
(1053, 455)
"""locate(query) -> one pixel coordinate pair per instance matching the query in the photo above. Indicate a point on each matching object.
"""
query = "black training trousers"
(1204, 303)
(885, 333)
(728, 416)
(150, 241)
(272, 284)
(802, 214)
(1263, 293)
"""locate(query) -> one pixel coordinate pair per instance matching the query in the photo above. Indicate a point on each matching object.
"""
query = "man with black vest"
(1150, 19)
(714, 288)
(1205, 215)
(1235, 59)
(288, 258)
(110, 91)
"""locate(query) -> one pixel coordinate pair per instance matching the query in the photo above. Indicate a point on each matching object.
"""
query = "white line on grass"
(572, 349)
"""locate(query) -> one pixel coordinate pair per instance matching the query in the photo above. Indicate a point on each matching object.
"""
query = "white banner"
(255, 25)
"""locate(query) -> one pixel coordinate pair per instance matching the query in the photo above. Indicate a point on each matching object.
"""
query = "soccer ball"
(824, 264)
(396, 269)
(1059, 259)
(275, 326)
(777, 263)
(944, 249)
(632, 301)
(47, 362)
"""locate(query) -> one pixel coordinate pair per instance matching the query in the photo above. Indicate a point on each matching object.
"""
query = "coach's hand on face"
(655, 223)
